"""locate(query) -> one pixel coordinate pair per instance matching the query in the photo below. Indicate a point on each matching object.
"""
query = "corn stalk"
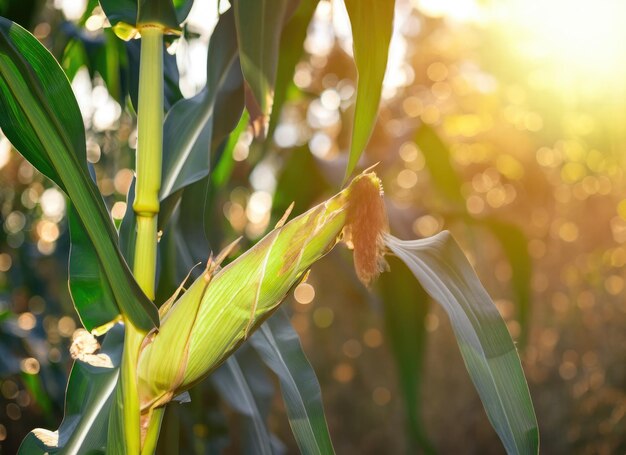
(146, 207)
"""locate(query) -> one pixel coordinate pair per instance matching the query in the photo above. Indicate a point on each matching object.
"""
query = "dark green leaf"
(188, 125)
(128, 227)
(157, 12)
(279, 346)
(372, 24)
(42, 120)
(224, 167)
(170, 74)
(235, 385)
(300, 182)
(291, 44)
(89, 288)
(515, 247)
(437, 159)
(259, 26)
(120, 11)
(486, 346)
(74, 58)
(406, 306)
(110, 64)
(182, 9)
(514, 243)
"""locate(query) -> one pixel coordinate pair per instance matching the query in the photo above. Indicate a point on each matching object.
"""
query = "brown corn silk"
(366, 222)
(222, 307)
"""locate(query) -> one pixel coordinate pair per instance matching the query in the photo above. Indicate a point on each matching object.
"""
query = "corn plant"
(138, 355)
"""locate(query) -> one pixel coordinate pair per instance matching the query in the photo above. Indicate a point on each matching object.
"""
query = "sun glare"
(577, 44)
(583, 36)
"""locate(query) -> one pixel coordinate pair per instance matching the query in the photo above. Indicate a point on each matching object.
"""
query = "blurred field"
(488, 120)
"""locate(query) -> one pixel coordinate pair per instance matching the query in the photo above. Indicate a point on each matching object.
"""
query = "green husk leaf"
(221, 309)
(372, 24)
(42, 120)
(486, 346)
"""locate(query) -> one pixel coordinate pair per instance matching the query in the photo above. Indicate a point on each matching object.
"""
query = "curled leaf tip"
(49, 438)
(366, 223)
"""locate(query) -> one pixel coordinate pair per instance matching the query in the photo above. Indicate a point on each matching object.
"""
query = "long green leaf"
(512, 239)
(279, 346)
(515, 247)
(486, 346)
(259, 26)
(42, 120)
(171, 76)
(188, 125)
(88, 401)
(234, 385)
(90, 290)
(437, 158)
(291, 50)
(406, 306)
(120, 11)
(372, 24)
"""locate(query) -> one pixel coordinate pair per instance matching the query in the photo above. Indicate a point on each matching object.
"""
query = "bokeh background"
(502, 121)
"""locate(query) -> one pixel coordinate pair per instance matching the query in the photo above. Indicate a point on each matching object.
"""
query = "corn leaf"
(165, 12)
(437, 159)
(237, 387)
(372, 24)
(171, 76)
(512, 239)
(515, 247)
(90, 290)
(300, 182)
(225, 164)
(259, 26)
(74, 57)
(486, 346)
(120, 11)
(405, 308)
(291, 49)
(42, 120)
(182, 9)
(157, 12)
(278, 344)
(189, 124)
(103, 54)
(88, 401)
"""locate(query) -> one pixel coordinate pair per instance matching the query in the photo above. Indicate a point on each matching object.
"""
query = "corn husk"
(221, 308)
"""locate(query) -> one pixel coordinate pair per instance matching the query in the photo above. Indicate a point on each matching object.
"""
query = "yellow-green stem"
(146, 207)
(154, 428)
(149, 155)
(132, 434)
